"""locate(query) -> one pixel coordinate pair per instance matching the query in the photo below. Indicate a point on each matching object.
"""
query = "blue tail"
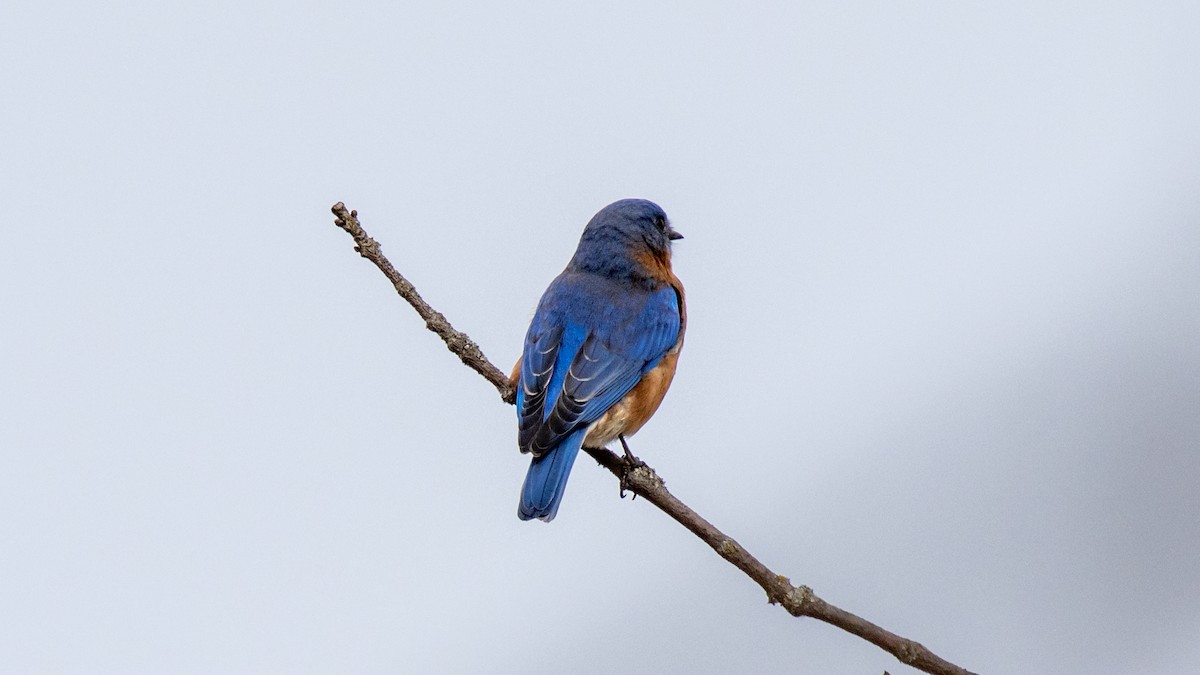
(547, 479)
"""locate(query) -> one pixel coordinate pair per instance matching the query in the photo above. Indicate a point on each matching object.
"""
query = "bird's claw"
(625, 484)
(631, 463)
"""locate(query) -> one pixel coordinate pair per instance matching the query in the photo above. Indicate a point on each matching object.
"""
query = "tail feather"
(547, 479)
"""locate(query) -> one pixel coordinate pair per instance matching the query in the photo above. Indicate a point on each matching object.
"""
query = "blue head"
(628, 238)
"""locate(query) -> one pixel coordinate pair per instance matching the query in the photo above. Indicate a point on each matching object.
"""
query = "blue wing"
(588, 345)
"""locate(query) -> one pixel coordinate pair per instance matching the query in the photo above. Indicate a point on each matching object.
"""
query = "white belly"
(610, 425)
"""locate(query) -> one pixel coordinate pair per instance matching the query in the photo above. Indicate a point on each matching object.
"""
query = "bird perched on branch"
(601, 349)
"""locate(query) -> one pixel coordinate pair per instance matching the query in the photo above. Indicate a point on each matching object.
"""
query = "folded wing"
(571, 375)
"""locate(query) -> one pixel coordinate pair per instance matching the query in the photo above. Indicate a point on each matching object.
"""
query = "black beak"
(673, 235)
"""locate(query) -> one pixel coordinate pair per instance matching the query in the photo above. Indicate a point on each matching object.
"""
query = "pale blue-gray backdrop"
(943, 264)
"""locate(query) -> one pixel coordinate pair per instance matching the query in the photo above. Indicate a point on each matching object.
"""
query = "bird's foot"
(630, 459)
(631, 463)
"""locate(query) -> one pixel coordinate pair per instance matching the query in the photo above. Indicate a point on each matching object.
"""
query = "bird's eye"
(660, 222)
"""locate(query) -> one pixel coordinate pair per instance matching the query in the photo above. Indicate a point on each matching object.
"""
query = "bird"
(601, 349)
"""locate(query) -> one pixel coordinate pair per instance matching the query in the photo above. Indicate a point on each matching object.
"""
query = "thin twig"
(457, 341)
(642, 480)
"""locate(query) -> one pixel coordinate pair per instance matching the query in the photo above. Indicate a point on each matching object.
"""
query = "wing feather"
(571, 376)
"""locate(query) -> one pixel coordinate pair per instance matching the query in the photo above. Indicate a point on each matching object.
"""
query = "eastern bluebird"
(601, 349)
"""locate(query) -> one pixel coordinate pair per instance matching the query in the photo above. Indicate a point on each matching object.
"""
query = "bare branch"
(457, 341)
(642, 480)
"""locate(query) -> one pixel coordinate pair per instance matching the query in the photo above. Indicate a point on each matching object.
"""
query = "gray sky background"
(943, 360)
